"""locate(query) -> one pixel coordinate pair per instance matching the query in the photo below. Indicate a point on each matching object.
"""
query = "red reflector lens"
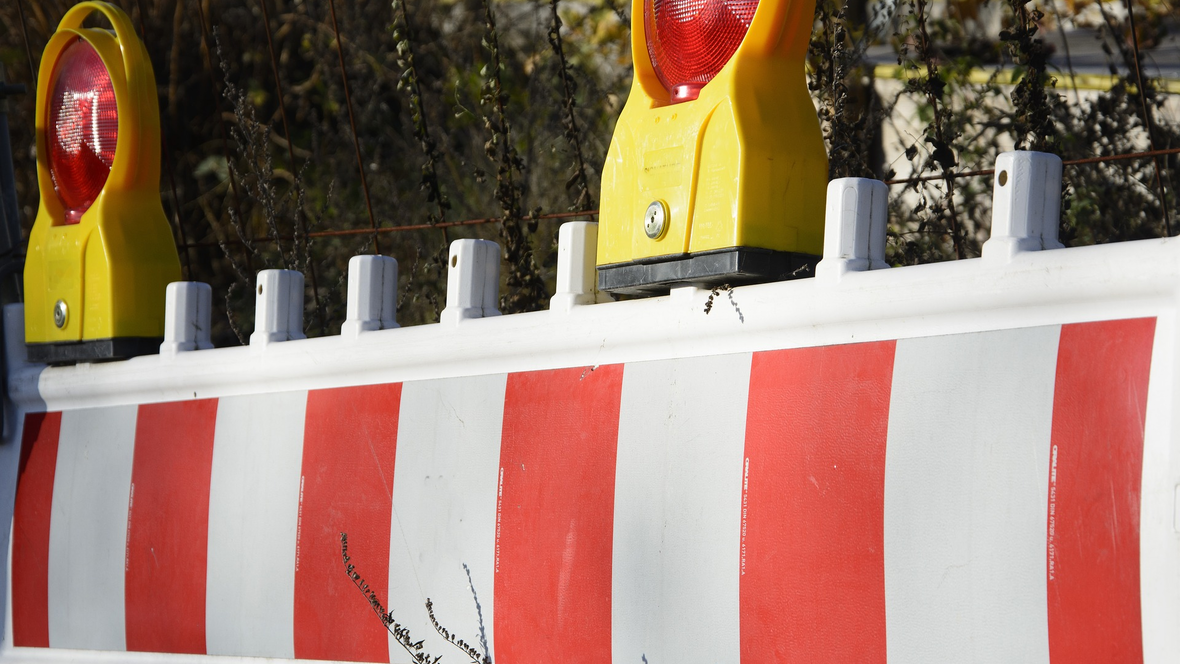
(83, 128)
(689, 41)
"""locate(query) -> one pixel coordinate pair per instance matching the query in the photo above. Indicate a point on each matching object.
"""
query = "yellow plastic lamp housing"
(714, 179)
(101, 253)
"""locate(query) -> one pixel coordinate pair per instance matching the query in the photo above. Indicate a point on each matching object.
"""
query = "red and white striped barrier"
(928, 499)
(971, 461)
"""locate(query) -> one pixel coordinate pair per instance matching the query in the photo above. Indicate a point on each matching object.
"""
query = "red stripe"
(555, 517)
(168, 526)
(30, 530)
(813, 577)
(1096, 463)
(349, 446)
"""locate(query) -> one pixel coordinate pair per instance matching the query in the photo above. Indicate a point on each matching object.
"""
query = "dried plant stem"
(1032, 120)
(229, 313)
(400, 632)
(356, 139)
(174, 59)
(943, 154)
(483, 635)
(24, 28)
(1073, 77)
(274, 63)
(168, 167)
(834, 63)
(579, 182)
(462, 645)
(233, 179)
(409, 81)
(526, 290)
(1147, 123)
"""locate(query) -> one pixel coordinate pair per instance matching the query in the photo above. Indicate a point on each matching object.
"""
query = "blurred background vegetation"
(492, 120)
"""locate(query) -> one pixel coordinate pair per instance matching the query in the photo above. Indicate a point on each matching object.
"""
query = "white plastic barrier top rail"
(968, 461)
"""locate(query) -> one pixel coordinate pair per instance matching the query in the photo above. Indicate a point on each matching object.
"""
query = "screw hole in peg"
(260, 289)
(1003, 178)
(454, 261)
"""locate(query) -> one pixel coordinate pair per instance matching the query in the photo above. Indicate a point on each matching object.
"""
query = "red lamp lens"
(83, 128)
(689, 41)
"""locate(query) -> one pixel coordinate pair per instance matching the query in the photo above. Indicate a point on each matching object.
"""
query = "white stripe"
(1159, 535)
(678, 510)
(8, 595)
(444, 508)
(9, 467)
(253, 520)
(966, 482)
(88, 528)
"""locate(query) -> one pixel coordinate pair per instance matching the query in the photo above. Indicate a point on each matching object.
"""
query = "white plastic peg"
(473, 281)
(854, 228)
(1026, 204)
(188, 308)
(278, 307)
(577, 277)
(372, 295)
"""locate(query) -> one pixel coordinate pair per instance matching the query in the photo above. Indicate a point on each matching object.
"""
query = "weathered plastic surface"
(974, 461)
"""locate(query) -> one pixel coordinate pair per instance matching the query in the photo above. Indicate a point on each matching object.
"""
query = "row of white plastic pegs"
(1025, 214)
(473, 291)
(1026, 206)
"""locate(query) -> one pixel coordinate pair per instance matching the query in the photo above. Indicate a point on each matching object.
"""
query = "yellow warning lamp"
(717, 169)
(101, 252)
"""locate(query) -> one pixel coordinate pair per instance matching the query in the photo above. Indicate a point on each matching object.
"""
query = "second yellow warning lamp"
(717, 169)
(100, 253)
